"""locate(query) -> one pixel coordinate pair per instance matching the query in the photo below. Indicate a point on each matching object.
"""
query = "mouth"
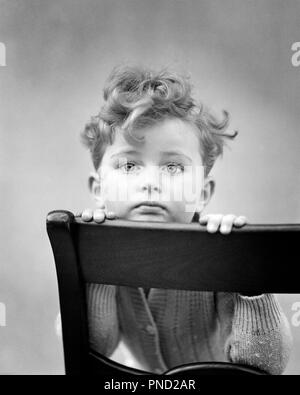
(150, 203)
(150, 207)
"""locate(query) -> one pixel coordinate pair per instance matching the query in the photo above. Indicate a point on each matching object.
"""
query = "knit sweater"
(171, 327)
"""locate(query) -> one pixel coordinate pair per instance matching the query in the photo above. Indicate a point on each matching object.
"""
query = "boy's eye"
(129, 167)
(171, 168)
(175, 168)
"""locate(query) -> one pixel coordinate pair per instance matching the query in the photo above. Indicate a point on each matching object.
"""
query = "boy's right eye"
(128, 167)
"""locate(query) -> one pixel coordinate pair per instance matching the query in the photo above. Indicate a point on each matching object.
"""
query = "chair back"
(254, 259)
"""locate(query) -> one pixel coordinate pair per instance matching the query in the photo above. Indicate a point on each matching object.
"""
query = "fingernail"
(99, 217)
(225, 229)
(86, 217)
(211, 228)
(110, 215)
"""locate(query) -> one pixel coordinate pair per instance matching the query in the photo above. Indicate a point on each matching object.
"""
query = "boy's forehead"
(168, 136)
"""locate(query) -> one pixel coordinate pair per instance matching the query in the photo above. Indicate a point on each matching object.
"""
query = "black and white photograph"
(149, 189)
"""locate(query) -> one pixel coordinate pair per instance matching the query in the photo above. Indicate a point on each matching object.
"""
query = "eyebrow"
(175, 153)
(126, 151)
(164, 153)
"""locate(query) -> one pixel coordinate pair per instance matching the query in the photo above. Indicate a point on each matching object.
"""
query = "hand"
(225, 223)
(97, 215)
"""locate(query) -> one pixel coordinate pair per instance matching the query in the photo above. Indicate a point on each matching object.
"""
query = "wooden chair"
(252, 260)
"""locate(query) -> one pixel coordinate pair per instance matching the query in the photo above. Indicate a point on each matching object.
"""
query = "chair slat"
(255, 259)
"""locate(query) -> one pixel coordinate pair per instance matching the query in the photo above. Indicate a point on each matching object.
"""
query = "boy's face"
(165, 173)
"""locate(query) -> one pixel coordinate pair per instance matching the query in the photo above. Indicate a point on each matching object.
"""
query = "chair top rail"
(255, 259)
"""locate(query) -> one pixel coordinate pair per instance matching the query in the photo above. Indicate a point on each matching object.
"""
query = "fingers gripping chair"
(162, 255)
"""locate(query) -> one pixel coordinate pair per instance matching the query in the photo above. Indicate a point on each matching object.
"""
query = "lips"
(150, 204)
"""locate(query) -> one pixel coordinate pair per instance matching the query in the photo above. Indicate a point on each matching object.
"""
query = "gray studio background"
(59, 53)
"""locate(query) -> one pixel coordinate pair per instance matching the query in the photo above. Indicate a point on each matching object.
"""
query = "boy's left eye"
(174, 168)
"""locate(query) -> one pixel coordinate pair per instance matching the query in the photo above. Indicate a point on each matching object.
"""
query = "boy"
(151, 146)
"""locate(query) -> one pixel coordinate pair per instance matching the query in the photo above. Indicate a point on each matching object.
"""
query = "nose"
(151, 179)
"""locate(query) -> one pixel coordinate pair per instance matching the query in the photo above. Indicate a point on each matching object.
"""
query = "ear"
(94, 183)
(207, 193)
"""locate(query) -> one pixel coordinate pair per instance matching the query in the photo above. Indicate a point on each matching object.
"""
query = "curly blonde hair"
(136, 97)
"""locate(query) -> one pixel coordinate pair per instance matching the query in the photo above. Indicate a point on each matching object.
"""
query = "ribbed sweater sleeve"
(256, 332)
(103, 322)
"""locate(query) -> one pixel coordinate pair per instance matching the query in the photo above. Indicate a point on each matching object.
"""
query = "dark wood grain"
(253, 260)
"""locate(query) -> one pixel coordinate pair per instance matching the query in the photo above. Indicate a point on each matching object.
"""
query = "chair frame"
(71, 238)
